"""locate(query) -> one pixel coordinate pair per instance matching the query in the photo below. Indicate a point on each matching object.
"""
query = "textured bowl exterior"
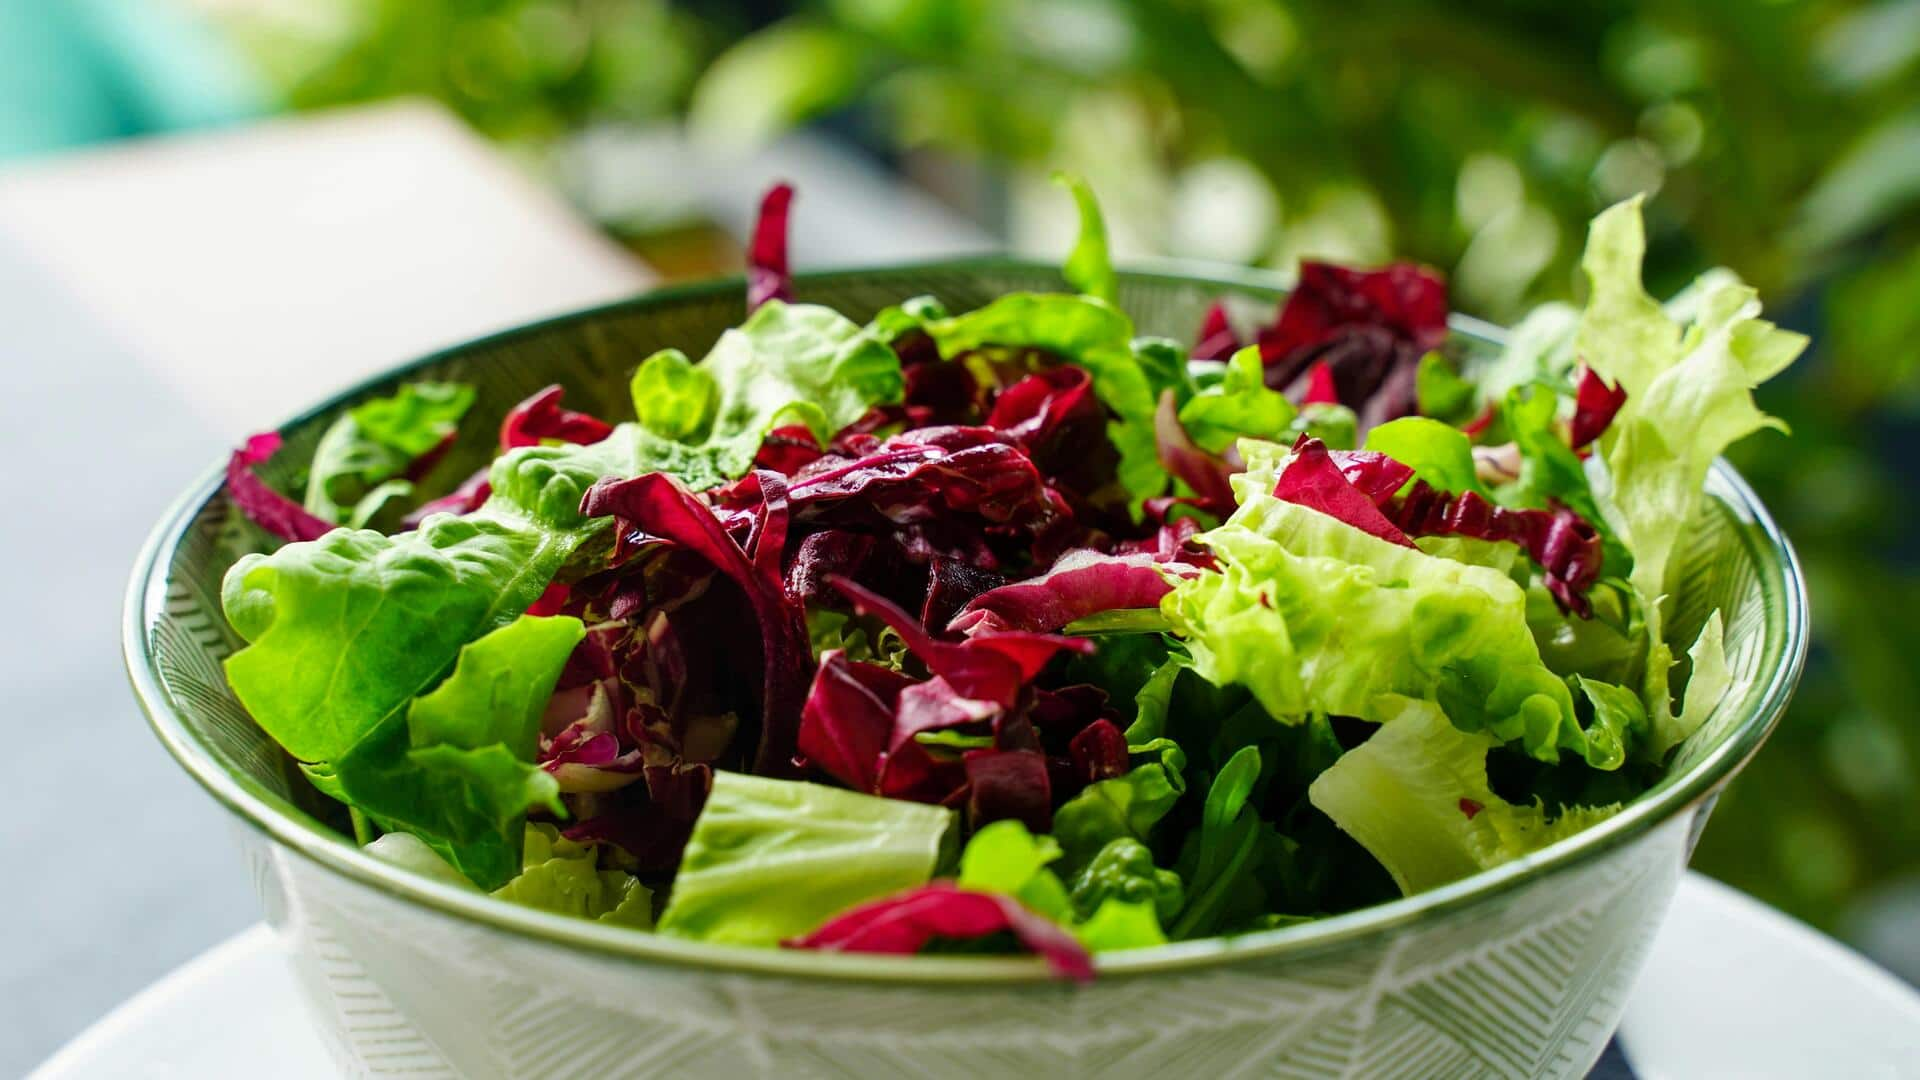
(1519, 972)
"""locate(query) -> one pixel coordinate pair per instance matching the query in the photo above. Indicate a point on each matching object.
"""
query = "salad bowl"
(1522, 970)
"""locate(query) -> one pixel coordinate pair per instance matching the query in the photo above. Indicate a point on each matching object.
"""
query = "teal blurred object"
(74, 72)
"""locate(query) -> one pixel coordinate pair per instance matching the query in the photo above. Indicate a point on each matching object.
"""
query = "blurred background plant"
(1781, 139)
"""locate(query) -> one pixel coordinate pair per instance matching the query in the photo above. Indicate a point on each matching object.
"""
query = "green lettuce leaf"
(1121, 807)
(1709, 683)
(1238, 406)
(787, 364)
(774, 859)
(456, 769)
(1438, 453)
(1089, 269)
(1117, 902)
(1005, 858)
(1313, 615)
(354, 477)
(1442, 392)
(1121, 924)
(1416, 796)
(1124, 870)
(563, 877)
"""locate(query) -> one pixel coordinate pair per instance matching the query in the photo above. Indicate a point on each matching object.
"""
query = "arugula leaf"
(456, 769)
(1221, 856)
(1416, 796)
(775, 859)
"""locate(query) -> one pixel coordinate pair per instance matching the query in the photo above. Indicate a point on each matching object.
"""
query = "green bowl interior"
(176, 637)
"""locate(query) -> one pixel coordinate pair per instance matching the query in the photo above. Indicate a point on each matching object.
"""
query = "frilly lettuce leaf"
(775, 859)
(1689, 381)
(456, 769)
(1313, 615)
(1416, 796)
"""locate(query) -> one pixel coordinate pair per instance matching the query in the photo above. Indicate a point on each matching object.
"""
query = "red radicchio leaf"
(904, 923)
(767, 274)
(465, 499)
(541, 417)
(848, 719)
(1035, 408)
(909, 477)
(787, 450)
(1004, 784)
(651, 821)
(1099, 752)
(1079, 584)
(1378, 476)
(658, 505)
(987, 667)
(264, 506)
(1207, 474)
(1320, 388)
(1361, 488)
(1369, 327)
(1216, 340)
(551, 602)
(1595, 404)
(1564, 545)
(1312, 479)
(1408, 301)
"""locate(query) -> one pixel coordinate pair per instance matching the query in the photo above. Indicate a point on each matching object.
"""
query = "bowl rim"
(293, 829)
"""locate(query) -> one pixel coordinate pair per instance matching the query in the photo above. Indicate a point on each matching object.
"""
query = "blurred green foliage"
(1781, 139)
(524, 71)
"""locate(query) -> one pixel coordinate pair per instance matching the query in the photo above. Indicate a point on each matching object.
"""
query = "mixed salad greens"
(1009, 629)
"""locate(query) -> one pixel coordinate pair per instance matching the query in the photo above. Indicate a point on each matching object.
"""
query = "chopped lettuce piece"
(775, 859)
(563, 877)
(1416, 796)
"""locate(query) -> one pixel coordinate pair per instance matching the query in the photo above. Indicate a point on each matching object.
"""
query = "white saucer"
(1732, 989)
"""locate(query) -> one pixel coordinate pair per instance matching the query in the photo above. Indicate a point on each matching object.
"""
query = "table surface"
(159, 300)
